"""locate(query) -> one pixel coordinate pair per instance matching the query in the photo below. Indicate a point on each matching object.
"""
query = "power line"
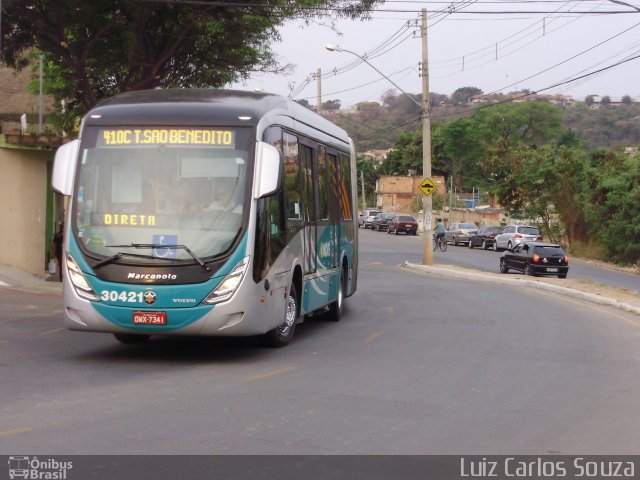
(567, 59)
(564, 82)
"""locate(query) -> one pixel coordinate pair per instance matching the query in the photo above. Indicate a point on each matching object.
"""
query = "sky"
(534, 50)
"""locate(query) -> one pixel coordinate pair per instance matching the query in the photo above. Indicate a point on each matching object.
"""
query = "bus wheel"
(131, 338)
(335, 309)
(282, 335)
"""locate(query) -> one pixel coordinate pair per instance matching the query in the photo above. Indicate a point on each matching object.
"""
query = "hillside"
(377, 126)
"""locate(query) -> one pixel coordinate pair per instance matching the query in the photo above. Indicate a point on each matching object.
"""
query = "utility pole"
(40, 101)
(319, 91)
(364, 199)
(427, 203)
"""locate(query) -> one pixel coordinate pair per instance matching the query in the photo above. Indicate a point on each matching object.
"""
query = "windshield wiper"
(119, 255)
(151, 245)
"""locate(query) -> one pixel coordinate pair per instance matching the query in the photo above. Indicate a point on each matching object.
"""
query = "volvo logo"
(149, 297)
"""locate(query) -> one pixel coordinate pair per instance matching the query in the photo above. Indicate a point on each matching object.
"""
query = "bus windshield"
(161, 186)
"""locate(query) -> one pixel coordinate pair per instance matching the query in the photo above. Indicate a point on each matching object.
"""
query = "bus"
(206, 212)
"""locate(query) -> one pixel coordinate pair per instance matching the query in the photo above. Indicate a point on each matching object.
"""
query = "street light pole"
(427, 204)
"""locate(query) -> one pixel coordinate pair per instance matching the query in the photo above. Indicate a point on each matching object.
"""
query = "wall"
(23, 211)
(15, 98)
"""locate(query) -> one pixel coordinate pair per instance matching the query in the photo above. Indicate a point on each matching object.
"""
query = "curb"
(519, 282)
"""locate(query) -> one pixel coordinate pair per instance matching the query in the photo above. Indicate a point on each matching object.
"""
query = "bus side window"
(292, 177)
(345, 188)
(277, 234)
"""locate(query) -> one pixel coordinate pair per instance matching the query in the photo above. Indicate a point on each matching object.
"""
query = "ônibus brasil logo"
(38, 469)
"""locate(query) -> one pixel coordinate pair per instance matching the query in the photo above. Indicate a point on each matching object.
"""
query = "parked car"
(512, 235)
(484, 238)
(366, 217)
(536, 258)
(403, 223)
(460, 232)
(381, 221)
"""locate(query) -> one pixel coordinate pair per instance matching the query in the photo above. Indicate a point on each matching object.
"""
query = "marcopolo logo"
(38, 469)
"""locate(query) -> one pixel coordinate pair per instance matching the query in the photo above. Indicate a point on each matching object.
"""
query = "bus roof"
(203, 106)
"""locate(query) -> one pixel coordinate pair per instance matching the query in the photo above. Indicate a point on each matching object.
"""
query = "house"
(401, 194)
(376, 156)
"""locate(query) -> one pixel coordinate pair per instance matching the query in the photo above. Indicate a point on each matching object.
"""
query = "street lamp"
(427, 247)
(338, 48)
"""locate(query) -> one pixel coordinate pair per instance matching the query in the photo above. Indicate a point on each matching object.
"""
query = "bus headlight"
(79, 282)
(229, 284)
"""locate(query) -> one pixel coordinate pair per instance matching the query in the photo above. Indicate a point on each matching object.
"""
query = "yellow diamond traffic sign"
(427, 186)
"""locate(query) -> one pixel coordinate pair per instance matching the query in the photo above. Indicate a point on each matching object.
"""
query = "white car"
(513, 235)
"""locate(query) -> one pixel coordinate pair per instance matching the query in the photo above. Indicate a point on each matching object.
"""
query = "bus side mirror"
(267, 171)
(64, 167)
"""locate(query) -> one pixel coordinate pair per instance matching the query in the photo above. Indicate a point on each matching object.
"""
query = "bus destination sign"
(167, 136)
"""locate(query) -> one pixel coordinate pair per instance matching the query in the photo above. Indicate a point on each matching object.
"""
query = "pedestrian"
(56, 248)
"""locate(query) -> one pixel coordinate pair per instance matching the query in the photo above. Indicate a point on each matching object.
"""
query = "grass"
(590, 250)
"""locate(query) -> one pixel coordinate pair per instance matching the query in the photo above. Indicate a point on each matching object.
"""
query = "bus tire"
(334, 314)
(282, 334)
(131, 338)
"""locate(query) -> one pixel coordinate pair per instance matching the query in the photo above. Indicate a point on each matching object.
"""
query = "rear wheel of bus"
(335, 309)
(282, 334)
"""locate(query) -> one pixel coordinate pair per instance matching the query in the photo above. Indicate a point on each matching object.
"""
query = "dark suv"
(536, 258)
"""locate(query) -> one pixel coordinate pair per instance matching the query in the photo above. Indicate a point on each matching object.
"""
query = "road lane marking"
(273, 373)
(6, 433)
(372, 337)
(50, 332)
(602, 310)
(4, 342)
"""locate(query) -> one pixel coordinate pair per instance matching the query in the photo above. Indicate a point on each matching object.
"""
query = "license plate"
(149, 318)
(552, 269)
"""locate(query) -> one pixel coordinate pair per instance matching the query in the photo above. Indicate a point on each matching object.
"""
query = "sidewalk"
(619, 298)
(15, 278)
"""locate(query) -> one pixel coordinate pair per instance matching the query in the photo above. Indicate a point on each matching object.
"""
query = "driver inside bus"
(226, 198)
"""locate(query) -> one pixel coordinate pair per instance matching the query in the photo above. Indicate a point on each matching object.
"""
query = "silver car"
(513, 235)
(460, 233)
(366, 217)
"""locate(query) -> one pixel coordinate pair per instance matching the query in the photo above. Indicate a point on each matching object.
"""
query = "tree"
(331, 105)
(611, 199)
(464, 95)
(367, 170)
(304, 103)
(627, 100)
(606, 100)
(406, 154)
(589, 100)
(98, 48)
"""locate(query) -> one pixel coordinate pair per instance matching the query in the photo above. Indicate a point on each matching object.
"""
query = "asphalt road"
(487, 260)
(418, 365)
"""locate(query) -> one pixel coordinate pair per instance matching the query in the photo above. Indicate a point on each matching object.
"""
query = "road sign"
(427, 186)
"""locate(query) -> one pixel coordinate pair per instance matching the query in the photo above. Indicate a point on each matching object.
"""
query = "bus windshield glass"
(161, 186)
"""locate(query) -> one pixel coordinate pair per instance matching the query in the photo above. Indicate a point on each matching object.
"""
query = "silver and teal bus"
(206, 212)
